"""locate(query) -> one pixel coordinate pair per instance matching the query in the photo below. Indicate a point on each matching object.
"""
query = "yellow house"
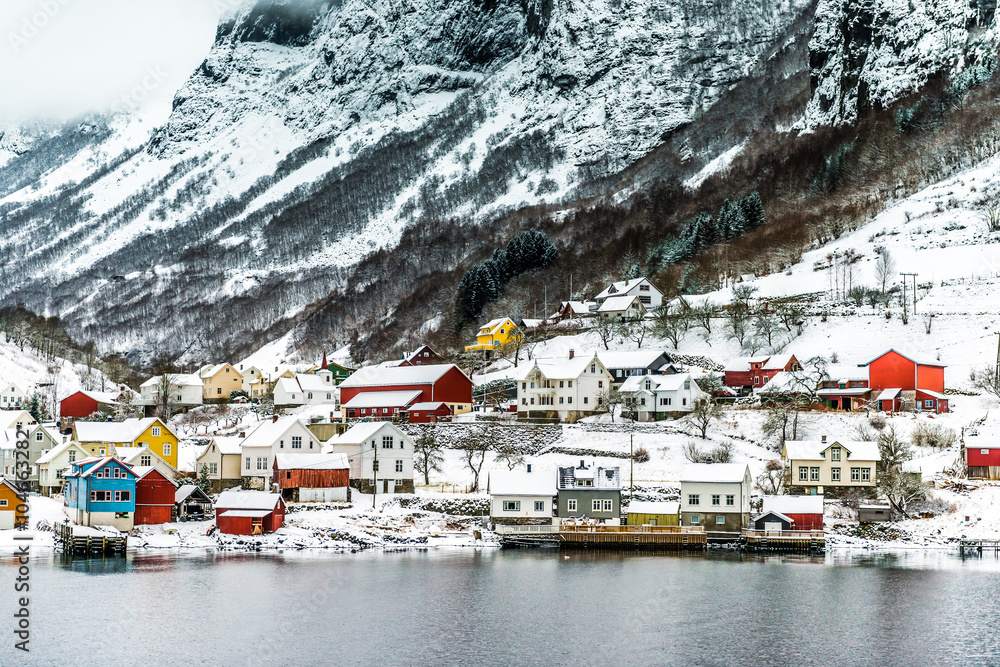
(101, 438)
(219, 380)
(495, 335)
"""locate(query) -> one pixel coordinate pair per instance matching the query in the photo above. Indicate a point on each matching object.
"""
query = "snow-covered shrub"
(933, 435)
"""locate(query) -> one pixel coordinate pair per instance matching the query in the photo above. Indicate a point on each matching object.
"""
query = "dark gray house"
(623, 365)
(589, 492)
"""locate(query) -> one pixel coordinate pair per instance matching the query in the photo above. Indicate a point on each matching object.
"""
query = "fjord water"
(492, 607)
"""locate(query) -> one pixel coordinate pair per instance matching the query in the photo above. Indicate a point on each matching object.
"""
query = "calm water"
(512, 607)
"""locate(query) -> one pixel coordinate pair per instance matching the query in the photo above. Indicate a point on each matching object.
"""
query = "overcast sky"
(62, 58)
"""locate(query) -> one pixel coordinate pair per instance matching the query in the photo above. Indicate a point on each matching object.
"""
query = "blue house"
(100, 491)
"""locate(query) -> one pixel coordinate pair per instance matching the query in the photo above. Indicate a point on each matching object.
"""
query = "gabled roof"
(310, 382)
(623, 286)
(8, 417)
(124, 431)
(59, 449)
(564, 369)
(360, 433)
(104, 397)
(616, 304)
(142, 471)
(101, 462)
(909, 358)
(132, 454)
(781, 516)
(383, 399)
(632, 359)
(658, 382)
(793, 504)
(714, 472)
(268, 432)
(177, 379)
(225, 444)
(209, 371)
(252, 514)
(814, 450)
(331, 461)
(186, 490)
(430, 406)
(777, 362)
(373, 376)
(493, 325)
(742, 364)
(889, 394)
(248, 500)
(521, 483)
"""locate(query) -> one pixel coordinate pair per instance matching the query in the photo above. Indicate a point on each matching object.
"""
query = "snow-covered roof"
(631, 359)
(333, 461)
(742, 364)
(287, 385)
(781, 382)
(981, 442)
(360, 433)
(268, 432)
(57, 450)
(311, 382)
(781, 516)
(793, 504)
(813, 450)
(105, 397)
(654, 507)
(714, 472)
(101, 461)
(777, 362)
(185, 490)
(247, 500)
(125, 431)
(623, 286)
(253, 514)
(226, 444)
(563, 368)
(373, 376)
(429, 406)
(8, 417)
(889, 394)
(142, 471)
(615, 304)
(521, 483)
(579, 306)
(657, 382)
(493, 325)
(178, 380)
(936, 394)
(849, 391)
(383, 399)
(209, 370)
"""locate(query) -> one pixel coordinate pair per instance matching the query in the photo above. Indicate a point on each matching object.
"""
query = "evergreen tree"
(753, 211)
(732, 220)
(204, 483)
(35, 408)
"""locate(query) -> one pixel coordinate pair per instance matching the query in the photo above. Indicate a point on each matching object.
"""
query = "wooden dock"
(83, 540)
(667, 538)
(977, 547)
(783, 540)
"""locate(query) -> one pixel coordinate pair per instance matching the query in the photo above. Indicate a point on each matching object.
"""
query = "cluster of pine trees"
(485, 283)
(734, 219)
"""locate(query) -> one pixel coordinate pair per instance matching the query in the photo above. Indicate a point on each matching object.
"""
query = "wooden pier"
(977, 547)
(88, 541)
(783, 540)
(667, 538)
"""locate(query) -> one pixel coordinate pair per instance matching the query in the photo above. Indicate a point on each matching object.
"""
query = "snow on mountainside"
(314, 134)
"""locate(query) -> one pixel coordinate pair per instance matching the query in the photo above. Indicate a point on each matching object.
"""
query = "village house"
(380, 456)
(422, 356)
(101, 438)
(783, 513)
(186, 391)
(281, 435)
(249, 512)
(818, 467)
(11, 506)
(623, 365)
(306, 389)
(53, 464)
(221, 460)
(250, 375)
(575, 310)
(902, 383)
(646, 292)
(312, 477)
(621, 308)
(82, 404)
(154, 496)
(191, 503)
(495, 335)
(100, 491)
(658, 397)
(218, 381)
(846, 388)
(340, 372)
(380, 405)
(143, 456)
(567, 389)
(982, 457)
(438, 382)
(589, 492)
(264, 384)
(653, 513)
(522, 497)
(749, 373)
(12, 396)
(41, 438)
(717, 497)
(428, 413)
(12, 419)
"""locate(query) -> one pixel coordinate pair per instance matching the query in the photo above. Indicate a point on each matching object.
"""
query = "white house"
(380, 455)
(306, 389)
(657, 397)
(185, 390)
(716, 496)
(522, 497)
(12, 395)
(647, 293)
(281, 435)
(250, 374)
(41, 438)
(567, 388)
(53, 464)
(15, 418)
(622, 307)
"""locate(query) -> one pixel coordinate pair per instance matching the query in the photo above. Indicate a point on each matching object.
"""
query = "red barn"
(894, 375)
(436, 383)
(426, 413)
(804, 512)
(982, 459)
(311, 477)
(154, 496)
(249, 512)
(85, 403)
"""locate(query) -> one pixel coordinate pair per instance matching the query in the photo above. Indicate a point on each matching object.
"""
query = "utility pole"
(631, 464)
(374, 472)
(996, 370)
(914, 276)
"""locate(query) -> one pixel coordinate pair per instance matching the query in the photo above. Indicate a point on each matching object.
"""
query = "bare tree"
(885, 268)
(511, 458)
(897, 486)
(704, 411)
(738, 322)
(475, 455)
(769, 481)
(427, 456)
(987, 380)
(766, 324)
(606, 329)
(703, 313)
(990, 214)
(743, 293)
(165, 387)
(671, 322)
(634, 328)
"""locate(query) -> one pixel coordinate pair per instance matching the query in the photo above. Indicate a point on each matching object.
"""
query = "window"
(261, 463)
(532, 400)
(716, 499)
(156, 431)
(593, 368)
(866, 474)
(100, 496)
(814, 474)
(166, 449)
(595, 505)
(665, 401)
(213, 468)
(695, 519)
(687, 384)
(524, 385)
(855, 474)
(835, 454)
(399, 465)
(386, 442)
(309, 395)
(730, 500)
(643, 288)
(719, 519)
(928, 404)
(569, 384)
(600, 384)
(123, 496)
(3, 503)
(694, 499)
(328, 396)
(539, 505)
(984, 451)
(803, 474)
(569, 399)
(608, 506)
(756, 380)
(571, 505)
(72, 455)
(584, 482)
(38, 436)
(524, 401)
(248, 463)
(145, 460)
(834, 474)
(586, 400)
(218, 391)
(296, 442)
(561, 384)
(512, 506)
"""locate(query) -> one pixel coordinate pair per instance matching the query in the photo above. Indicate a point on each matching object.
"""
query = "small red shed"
(154, 496)
(805, 512)
(82, 404)
(312, 477)
(249, 512)
(425, 413)
(982, 458)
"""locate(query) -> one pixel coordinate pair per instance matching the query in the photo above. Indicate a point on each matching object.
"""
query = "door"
(385, 486)
(6, 520)
(772, 527)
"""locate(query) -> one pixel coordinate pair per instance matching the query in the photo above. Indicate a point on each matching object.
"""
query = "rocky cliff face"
(315, 133)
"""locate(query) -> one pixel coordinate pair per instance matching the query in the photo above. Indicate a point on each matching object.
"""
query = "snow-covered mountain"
(316, 135)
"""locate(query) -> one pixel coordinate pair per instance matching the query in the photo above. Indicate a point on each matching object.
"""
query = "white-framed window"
(595, 505)
(296, 442)
(123, 496)
(145, 460)
(730, 500)
(834, 474)
(261, 463)
(835, 453)
(928, 404)
(166, 449)
(399, 465)
(3, 502)
(248, 463)
(571, 505)
(716, 499)
(539, 505)
(984, 451)
(608, 506)
(694, 499)
(310, 395)
(719, 519)
(213, 468)
(512, 506)
(38, 436)
(156, 432)
(855, 474)
(695, 519)
(72, 455)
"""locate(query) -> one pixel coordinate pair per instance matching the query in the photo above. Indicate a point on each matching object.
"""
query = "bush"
(721, 453)
(877, 421)
(641, 455)
(933, 435)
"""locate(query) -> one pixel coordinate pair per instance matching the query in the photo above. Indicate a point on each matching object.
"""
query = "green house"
(339, 372)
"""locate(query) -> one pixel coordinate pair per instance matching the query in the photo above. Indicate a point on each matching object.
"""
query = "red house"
(249, 512)
(423, 356)
(749, 373)
(154, 496)
(426, 413)
(895, 376)
(85, 403)
(982, 458)
(433, 383)
(312, 477)
(801, 512)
